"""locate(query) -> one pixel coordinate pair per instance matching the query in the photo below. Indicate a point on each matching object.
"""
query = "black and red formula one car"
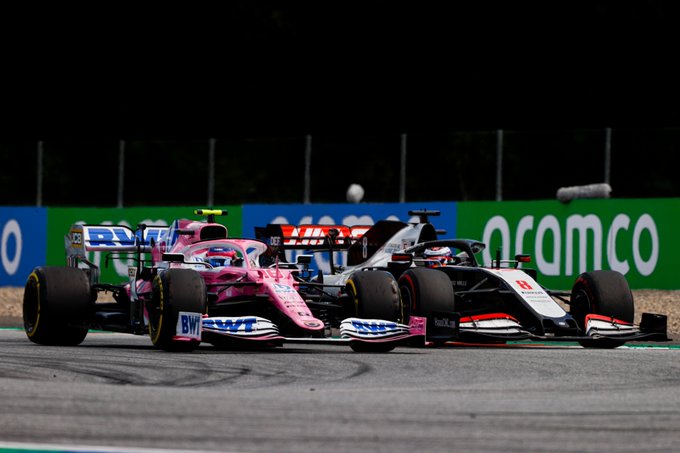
(462, 299)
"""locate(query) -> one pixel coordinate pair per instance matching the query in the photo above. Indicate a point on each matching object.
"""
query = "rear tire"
(57, 306)
(602, 292)
(375, 295)
(174, 291)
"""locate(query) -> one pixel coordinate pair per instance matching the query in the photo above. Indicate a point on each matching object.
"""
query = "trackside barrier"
(637, 237)
(23, 243)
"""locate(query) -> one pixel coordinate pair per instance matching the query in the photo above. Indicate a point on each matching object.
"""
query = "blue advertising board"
(23, 243)
(259, 215)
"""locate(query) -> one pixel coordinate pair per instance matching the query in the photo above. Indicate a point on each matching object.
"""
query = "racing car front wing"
(242, 330)
(601, 331)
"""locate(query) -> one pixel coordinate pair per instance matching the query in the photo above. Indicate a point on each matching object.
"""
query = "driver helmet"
(438, 256)
(221, 256)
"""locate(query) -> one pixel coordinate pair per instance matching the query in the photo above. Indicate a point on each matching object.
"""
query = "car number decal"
(531, 292)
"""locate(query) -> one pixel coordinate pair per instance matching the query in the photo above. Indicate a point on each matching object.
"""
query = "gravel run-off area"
(664, 302)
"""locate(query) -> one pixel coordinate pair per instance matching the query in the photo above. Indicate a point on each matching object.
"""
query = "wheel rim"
(156, 312)
(580, 307)
(352, 290)
(407, 301)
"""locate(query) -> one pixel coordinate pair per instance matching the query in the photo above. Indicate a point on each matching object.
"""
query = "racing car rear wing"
(311, 237)
(359, 241)
(111, 238)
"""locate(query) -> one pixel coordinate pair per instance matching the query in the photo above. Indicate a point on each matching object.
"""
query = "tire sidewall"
(425, 291)
(374, 294)
(174, 291)
(57, 305)
(602, 292)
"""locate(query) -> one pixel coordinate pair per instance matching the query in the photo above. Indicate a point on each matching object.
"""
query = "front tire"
(602, 292)
(57, 306)
(374, 295)
(425, 291)
(175, 291)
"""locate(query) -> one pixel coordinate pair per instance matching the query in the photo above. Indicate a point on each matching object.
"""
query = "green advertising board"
(59, 221)
(637, 237)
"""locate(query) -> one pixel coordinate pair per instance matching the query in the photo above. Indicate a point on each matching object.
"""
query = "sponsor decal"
(372, 329)
(279, 288)
(189, 325)
(290, 299)
(417, 324)
(294, 302)
(103, 236)
(530, 291)
(76, 238)
(232, 324)
(444, 322)
(114, 236)
(11, 232)
(392, 247)
(308, 234)
(593, 238)
(373, 326)
(22, 243)
(523, 284)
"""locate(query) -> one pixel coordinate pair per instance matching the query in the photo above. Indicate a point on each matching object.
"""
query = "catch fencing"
(457, 166)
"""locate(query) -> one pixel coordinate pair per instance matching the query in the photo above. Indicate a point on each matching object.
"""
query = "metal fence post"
(38, 190)
(499, 165)
(402, 171)
(121, 171)
(211, 172)
(607, 154)
(308, 168)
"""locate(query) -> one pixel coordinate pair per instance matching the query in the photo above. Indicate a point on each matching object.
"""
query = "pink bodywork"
(278, 284)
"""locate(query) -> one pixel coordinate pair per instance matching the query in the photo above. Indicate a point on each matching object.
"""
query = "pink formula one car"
(201, 285)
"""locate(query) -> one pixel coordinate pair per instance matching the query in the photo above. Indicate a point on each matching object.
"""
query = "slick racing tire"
(174, 291)
(424, 291)
(374, 295)
(57, 306)
(602, 292)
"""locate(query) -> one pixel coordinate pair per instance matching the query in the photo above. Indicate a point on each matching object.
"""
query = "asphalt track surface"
(116, 392)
